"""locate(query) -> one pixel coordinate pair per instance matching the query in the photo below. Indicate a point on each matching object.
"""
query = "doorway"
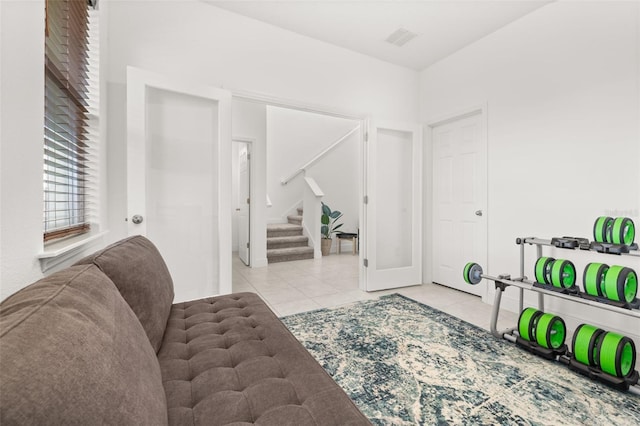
(287, 138)
(241, 199)
(459, 226)
(382, 264)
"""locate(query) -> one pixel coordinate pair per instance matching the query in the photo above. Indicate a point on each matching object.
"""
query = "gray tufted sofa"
(101, 343)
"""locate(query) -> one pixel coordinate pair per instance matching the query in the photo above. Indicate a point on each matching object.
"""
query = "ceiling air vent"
(400, 37)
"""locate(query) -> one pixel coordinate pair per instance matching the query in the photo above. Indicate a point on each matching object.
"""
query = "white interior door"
(459, 200)
(244, 171)
(393, 213)
(179, 178)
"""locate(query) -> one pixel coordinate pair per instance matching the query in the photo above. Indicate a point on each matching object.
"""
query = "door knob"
(478, 212)
(137, 219)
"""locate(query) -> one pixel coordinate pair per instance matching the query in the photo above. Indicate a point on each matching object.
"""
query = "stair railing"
(318, 156)
(311, 212)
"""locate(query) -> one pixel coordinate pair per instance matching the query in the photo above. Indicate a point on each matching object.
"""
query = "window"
(69, 118)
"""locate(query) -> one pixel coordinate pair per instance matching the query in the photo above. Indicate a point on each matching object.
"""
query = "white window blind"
(71, 117)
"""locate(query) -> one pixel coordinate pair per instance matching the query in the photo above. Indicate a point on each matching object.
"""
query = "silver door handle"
(137, 219)
(478, 212)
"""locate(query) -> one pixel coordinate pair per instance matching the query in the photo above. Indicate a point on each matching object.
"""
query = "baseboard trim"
(259, 263)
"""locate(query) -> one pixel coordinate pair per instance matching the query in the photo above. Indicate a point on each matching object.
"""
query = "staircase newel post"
(311, 205)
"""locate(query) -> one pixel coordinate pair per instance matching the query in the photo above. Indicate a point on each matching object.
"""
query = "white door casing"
(459, 228)
(393, 212)
(140, 159)
(244, 192)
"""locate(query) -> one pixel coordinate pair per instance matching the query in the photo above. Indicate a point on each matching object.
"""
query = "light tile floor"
(305, 285)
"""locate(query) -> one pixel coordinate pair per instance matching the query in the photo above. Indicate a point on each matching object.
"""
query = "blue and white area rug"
(405, 363)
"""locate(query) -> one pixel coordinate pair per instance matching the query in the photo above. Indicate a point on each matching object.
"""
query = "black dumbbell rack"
(523, 283)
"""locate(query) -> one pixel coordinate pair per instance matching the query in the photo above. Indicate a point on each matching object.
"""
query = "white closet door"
(178, 174)
(459, 201)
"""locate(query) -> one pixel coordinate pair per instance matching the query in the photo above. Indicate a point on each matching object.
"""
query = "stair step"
(296, 220)
(299, 212)
(287, 254)
(283, 230)
(285, 242)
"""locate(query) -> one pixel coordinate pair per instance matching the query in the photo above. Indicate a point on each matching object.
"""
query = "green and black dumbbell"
(620, 284)
(623, 231)
(620, 230)
(602, 229)
(547, 330)
(550, 331)
(617, 283)
(585, 342)
(557, 272)
(527, 323)
(616, 354)
(593, 278)
(563, 273)
(543, 269)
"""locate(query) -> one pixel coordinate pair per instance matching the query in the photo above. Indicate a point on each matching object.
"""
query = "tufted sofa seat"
(230, 359)
(101, 343)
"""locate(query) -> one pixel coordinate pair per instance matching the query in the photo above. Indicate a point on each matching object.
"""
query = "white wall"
(22, 105)
(204, 43)
(295, 137)
(21, 135)
(339, 177)
(199, 42)
(562, 90)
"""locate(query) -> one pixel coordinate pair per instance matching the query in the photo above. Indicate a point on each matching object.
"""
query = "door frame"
(362, 118)
(252, 225)
(138, 80)
(428, 159)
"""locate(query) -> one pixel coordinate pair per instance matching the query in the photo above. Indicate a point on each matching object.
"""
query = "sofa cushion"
(73, 352)
(136, 267)
(229, 360)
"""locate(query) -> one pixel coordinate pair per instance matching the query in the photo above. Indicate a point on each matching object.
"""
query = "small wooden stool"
(347, 236)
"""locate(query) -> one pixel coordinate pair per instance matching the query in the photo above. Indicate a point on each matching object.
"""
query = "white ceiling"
(443, 26)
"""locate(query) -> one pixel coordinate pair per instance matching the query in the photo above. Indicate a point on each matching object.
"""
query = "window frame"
(66, 168)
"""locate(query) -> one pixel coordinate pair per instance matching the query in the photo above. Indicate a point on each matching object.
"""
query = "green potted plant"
(329, 227)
